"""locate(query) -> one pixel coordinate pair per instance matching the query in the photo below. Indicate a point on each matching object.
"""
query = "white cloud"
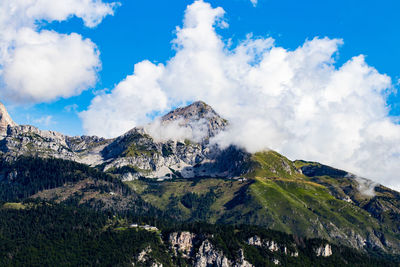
(131, 102)
(25, 13)
(178, 130)
(40, 65)
(296, 102)
(71, 108)
(365, 186)
(48, 65)
(45, 120)
(254, 2)
(170, 131)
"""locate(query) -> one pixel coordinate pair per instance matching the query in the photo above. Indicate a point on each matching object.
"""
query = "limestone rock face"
(137, 149)
(242, 262)
(182, 242)
(5, 120)
(144, 258)
(273, 246)
(30, 141)
(324, 251)
(254, 241)
(168, 159)
(155, 157)
(197, 115)
(208, 256)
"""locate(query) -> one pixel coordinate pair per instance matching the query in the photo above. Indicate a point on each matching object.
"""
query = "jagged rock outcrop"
(324, 251)
(273, 246)
(30, 141)
(167, 159)
(208, 256)
(5, 120)
(144, 257)
(182, 242)
(242, 261)
(254, 241)
(27, 140)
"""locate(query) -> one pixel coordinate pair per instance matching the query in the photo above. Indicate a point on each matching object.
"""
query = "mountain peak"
(5, 120)
(196, 110)
(198, 114)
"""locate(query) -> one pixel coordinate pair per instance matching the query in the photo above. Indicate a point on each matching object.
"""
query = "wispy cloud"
(71, 108)
(254, 2)
(45, 120)
(299, 102)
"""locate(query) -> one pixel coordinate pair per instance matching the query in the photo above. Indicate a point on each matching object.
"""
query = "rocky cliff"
(201, 251)
(30, 141)
(5, 120)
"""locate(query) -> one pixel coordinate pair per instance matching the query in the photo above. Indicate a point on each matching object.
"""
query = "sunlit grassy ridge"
(13, 206)
(273, 164)
(167, 195)
(274, 194)
(295, 205)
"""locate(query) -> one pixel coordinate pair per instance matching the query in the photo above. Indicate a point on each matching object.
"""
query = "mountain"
(136, 148)
(145, 173)
(165, 159)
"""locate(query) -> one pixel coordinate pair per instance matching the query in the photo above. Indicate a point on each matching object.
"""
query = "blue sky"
(144, 29)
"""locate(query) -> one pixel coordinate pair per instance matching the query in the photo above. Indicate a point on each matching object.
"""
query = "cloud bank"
(40, 65)
(296, 102)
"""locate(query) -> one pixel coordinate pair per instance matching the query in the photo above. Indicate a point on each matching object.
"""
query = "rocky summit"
(188, 179)
(197, 115)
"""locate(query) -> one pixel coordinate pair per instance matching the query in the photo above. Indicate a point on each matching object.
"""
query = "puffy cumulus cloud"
(298, 102)
(40, 65)
(131, 102)
(48, 65)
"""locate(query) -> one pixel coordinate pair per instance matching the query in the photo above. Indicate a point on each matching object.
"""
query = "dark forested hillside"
(69, 182)
(59, 235)
(48, 234)
(28, 175)
(61, 213)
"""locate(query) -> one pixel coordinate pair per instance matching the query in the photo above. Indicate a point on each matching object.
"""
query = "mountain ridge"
(196, 180)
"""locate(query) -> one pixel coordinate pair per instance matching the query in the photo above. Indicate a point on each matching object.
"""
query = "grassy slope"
(295, 205)
(275, 195)
(160, 194)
